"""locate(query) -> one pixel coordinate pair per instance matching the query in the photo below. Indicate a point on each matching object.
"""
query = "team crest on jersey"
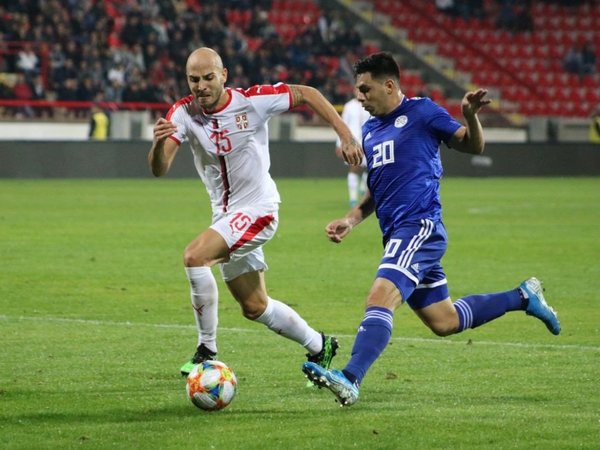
(241, 121)
(400, 121)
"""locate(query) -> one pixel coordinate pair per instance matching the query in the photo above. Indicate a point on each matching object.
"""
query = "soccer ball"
(211, 385)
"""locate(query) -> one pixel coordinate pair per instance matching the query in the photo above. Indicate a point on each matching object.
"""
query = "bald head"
(204, 58)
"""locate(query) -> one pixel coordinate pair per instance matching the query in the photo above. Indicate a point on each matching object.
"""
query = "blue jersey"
(402, 150)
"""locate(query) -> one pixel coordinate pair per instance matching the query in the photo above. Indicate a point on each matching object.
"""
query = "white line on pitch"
(248, 330)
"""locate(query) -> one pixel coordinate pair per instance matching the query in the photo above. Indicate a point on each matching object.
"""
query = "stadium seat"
(520, 65)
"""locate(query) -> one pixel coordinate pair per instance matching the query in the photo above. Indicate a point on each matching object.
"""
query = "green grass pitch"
(95, 321)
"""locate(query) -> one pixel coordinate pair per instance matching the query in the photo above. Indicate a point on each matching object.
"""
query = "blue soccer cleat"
(344, 390)
(537, 306)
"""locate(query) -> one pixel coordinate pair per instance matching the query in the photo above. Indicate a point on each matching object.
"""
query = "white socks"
(363, 183)
(353, 185)
(278, 316)
(357, 186)
(283, 320)
(205, 301)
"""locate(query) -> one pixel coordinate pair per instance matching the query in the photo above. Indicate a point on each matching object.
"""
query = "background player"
(354, 115)
(401, 143)
(227, 132)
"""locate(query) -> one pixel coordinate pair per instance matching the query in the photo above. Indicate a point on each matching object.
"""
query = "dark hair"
(380, 65)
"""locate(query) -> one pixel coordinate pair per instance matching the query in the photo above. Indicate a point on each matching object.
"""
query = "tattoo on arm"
(297, 97)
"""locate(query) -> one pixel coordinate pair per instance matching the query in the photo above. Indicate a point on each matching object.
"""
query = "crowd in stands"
(511, 15)
(556, 39)
(116, 51)
(516, 16)
(135, 51)
(581, 59)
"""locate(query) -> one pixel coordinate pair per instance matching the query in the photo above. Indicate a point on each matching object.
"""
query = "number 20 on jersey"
(383, 154)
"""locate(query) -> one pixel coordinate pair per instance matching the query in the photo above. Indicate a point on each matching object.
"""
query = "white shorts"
(245, 231)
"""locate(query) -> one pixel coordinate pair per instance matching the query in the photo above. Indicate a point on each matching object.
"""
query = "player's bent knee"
(252, 306)
(191, 258)
(443, 328)
(252, 312)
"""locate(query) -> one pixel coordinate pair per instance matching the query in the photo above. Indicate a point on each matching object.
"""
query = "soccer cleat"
(344, 390)
(325, 356)
(202, 354)
(537, 306)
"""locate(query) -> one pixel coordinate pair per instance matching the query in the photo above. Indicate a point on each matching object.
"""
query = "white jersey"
(231, 145)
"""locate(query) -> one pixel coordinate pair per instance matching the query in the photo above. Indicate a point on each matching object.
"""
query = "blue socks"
(475, 310)
(375, 330)
(373, 335)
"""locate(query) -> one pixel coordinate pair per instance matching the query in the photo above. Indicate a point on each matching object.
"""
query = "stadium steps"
(523, 71)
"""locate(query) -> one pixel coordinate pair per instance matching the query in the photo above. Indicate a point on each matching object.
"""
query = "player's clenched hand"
(338, 229)
(352, 152)
(163, 129)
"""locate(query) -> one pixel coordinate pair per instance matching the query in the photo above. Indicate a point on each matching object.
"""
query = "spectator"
(523, 19)
(86, 91)
(469, 9)
(132, 92)
(99, 124)
(28, 62)
(149, 92)
(63, 73)
(38, 89)
(3, 56)
(506, 16)
(573, 61)
(446, 6)
(22, 91)
(160, 26)
(97, 74)
(133, 30)
(588, 58)
(113, 91)
(581, 60)
(117, 73)
(5, 92)
(67, 91)
(57, 58)
(73, 51)
(260, 26)
(150, 54)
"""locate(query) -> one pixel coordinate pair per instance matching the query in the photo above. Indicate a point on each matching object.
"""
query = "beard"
(210, 102)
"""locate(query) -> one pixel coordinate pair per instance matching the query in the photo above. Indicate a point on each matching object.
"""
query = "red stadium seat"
(523, 65)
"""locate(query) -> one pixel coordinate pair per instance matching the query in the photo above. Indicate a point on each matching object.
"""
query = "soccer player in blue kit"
(401, 142)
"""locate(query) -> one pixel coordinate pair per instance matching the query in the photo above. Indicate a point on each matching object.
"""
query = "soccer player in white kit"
(227, 131)
(354, 115)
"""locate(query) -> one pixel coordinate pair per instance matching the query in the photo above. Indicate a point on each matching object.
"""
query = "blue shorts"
(411, 260)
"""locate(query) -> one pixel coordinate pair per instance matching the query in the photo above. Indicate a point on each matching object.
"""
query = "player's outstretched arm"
(307, 95)
(469, 139)
(338, 229)
(163, 150)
